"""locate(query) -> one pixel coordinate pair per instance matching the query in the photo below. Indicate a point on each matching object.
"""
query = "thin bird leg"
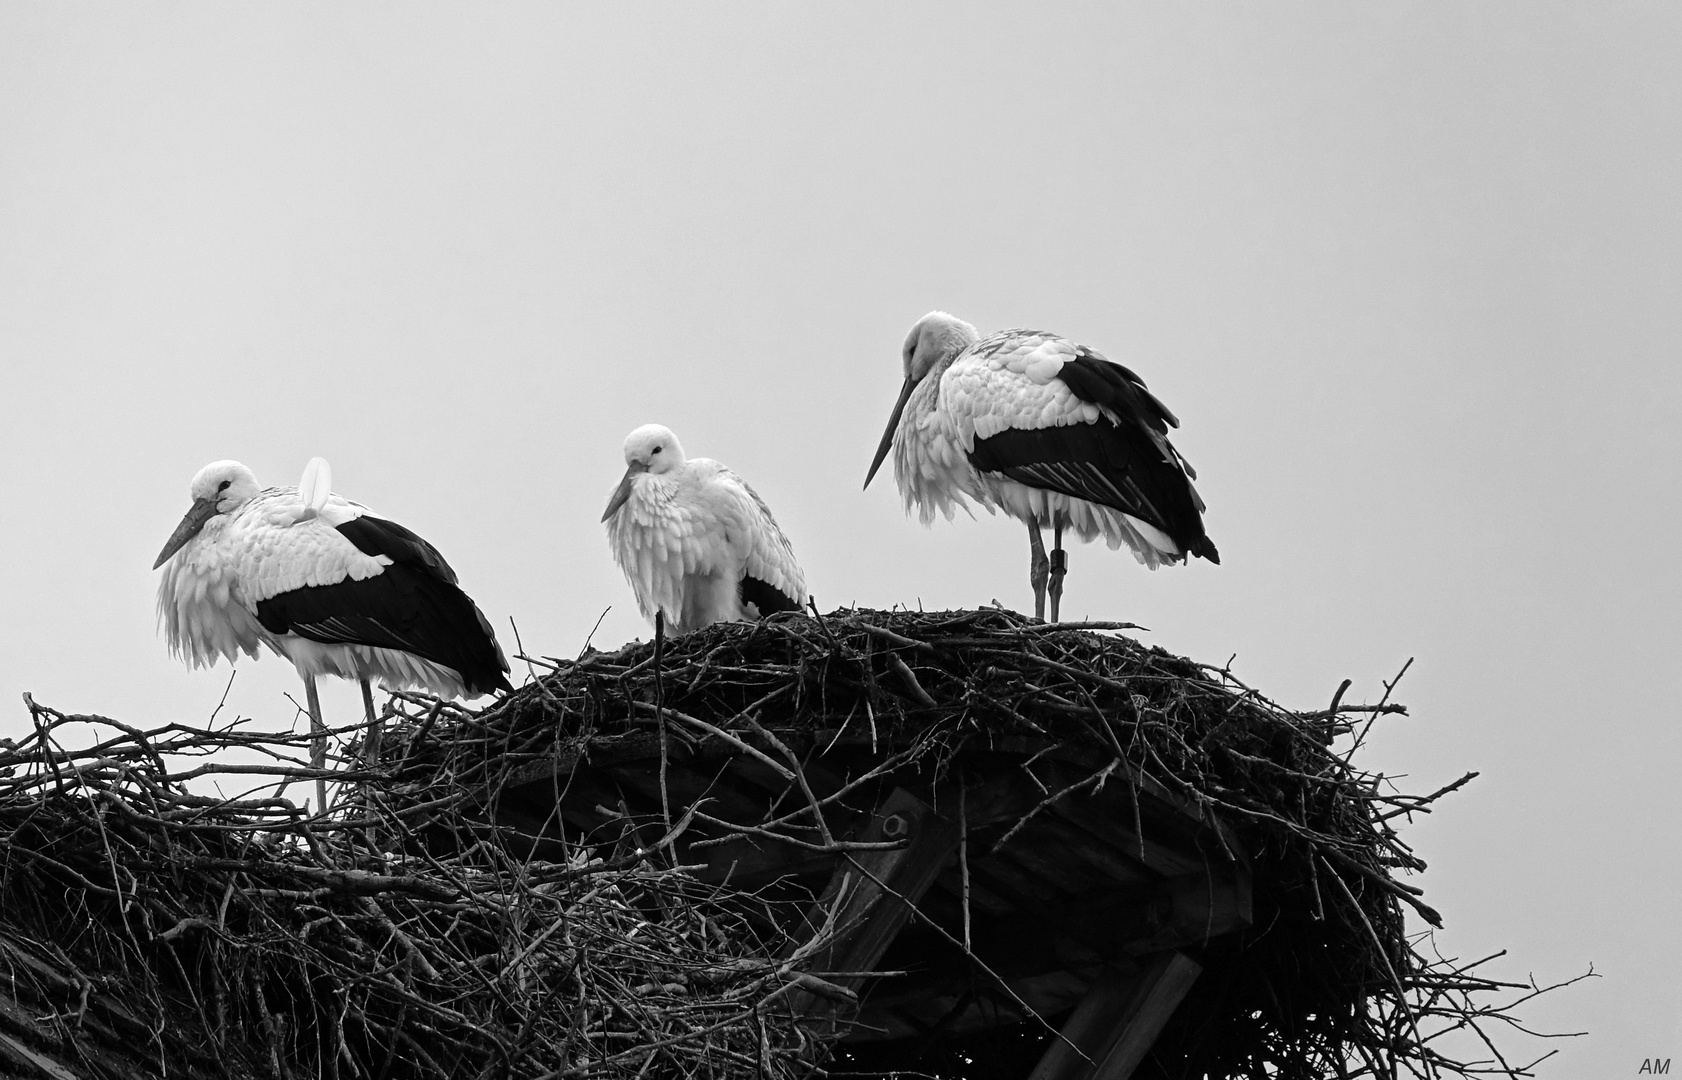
(1037, 566)
(371, 741)
(1059, 565)
(660, 714)
(318, 742)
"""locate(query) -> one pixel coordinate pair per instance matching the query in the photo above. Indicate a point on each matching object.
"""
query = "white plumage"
(1047, 430)
(322, 581)
(697, 544)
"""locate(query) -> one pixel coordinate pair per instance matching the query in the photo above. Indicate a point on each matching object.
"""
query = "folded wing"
(412, 603)
(1106, 443)
(772, 580)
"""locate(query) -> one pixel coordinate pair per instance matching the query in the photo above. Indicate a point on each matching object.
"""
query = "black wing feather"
(375, 535)
(1104, 382)
(765, 596)
(413, 605)
(1129, 466)
(402, 608)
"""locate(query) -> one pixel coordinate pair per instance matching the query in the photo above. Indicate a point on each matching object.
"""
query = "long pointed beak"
(202, 511)
(893, 428)
(623, 491)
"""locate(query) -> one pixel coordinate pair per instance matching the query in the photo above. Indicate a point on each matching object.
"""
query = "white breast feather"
(684, 540)
(653, 537)
(930, 466)
(208, 596)
(1007, 381)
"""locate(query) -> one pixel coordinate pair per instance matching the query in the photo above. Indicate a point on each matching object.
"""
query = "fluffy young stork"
(323, 581)
(1047, 430)
(696, 543)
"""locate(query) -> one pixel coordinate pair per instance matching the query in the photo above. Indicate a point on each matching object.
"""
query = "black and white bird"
(323, 581)
(1048, 431)
(696, 543)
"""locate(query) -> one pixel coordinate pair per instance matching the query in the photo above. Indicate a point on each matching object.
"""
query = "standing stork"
(696, 543)
(1047, 430)
(323, 581)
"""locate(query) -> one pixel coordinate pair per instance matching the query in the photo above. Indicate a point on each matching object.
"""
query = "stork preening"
(323, 581)
(1048, 431)
(696, 543)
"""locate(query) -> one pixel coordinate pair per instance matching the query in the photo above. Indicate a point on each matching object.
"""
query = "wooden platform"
(1101, 885)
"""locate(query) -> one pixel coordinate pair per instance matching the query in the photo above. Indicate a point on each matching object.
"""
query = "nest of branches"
(1329, 980)
(165, 927)
(170, 904)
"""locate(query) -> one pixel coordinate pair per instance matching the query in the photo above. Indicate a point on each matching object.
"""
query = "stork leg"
(370, 741)
(1059, 565)
(318, 742)
(1037, 566)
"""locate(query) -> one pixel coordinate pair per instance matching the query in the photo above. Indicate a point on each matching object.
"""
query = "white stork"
(1047, 430)
(323, 581)
(696, 543)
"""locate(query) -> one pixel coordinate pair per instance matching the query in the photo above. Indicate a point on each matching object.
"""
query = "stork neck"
(930, 383)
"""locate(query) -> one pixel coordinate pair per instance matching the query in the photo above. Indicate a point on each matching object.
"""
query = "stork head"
(649, 449)
(936, 337)
(935, 340)
(217, 489)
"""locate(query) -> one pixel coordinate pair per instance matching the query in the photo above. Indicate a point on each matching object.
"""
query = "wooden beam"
(1118, 1021)
(874, 888)
(1200, 907)
(1185, 807)
(1085, 1034)
(1160, 991)
(897, 1010)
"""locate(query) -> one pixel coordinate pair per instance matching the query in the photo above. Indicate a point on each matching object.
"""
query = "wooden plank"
(1201, 907)
(1048, 857)
(1104, 826)
(913, 1012)
(20, 1054)
(982, 900)
(1161, 990)
(1084, 1034)
(1173, 840)
(1030, 938)
(1118, 1021)
(1188, 809)
(1100, 857)
(869, 917)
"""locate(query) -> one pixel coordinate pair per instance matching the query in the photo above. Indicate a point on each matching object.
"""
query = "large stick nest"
(245, 937)
(1329, 981)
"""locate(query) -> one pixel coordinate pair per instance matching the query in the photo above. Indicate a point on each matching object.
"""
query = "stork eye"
(656, 450)
(223, 486)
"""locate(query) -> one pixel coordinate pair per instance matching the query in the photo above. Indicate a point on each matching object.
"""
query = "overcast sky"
(1408, 274)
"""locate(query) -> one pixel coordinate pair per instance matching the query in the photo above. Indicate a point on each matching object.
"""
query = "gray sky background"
(1409, 274)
